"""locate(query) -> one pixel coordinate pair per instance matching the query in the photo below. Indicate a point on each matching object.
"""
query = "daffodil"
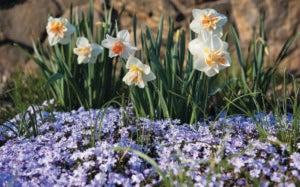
(120, 45)
(209, 20)
(86, 52)
(59, 30)
(210, 56)
(139, 74)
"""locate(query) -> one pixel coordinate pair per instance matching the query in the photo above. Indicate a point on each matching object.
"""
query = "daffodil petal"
(199, 63)
(123, 35)
(149, 77)
(93, 59)
(65, 40)
(141, 84)
(70, 29)
(195, 26)
(82, 41)
(217, 43)
(210, 72)
(81, 59)
(132, 61)
(109, 42)
(96, 49)
(194, 46)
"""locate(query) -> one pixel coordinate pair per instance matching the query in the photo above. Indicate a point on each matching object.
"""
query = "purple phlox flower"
(274, 163)
(255, 173)
(264, 184)
(276, 177)
(296, 174)
(88, 165)
(7, 179)
(99, 180)
(135, 162)
(124, 132)
(238, 163)
(72, 145)
(286, 184)
(295, 160)
(116, 178)
(79, 177)
(137, 178)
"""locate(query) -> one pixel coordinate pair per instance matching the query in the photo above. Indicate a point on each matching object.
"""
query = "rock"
(65, 5)
(13, 58)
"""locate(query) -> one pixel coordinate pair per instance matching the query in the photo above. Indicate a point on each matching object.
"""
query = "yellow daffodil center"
(137, 74)
(118, 48)
(84, 51)
(214, 57)
(209, 21)
(58, 28)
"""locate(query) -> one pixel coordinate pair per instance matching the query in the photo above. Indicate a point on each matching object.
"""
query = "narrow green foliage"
(286, 104)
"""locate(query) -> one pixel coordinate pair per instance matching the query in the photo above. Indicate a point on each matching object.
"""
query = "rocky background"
(24, 20)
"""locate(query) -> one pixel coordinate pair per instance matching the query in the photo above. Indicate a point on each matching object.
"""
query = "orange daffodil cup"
(209, 51)
(86, 52)
(59, 30)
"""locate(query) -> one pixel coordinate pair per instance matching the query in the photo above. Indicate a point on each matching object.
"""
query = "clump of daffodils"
(60, 30)
(209, 51)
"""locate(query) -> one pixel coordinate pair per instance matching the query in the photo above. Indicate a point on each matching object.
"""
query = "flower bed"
(224, 152)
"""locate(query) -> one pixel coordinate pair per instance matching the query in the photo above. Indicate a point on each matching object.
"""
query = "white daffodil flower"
(209, 20)
(139, 74)
(210, 56)
(86, 52)
(119, 46)
(59, 30)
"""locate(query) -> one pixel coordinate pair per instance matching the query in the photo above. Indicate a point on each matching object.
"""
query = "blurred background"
(25, 20)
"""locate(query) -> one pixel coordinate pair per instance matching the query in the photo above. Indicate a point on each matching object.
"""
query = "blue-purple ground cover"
(224, 152)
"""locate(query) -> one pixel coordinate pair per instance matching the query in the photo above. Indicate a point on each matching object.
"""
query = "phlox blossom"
(120, 45)
(210, 56)
(209, 20)
(86, 52)
(139, 74)
(59, 30)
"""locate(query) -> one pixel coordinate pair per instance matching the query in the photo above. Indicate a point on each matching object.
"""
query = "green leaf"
(54, 78)
(221, 86)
